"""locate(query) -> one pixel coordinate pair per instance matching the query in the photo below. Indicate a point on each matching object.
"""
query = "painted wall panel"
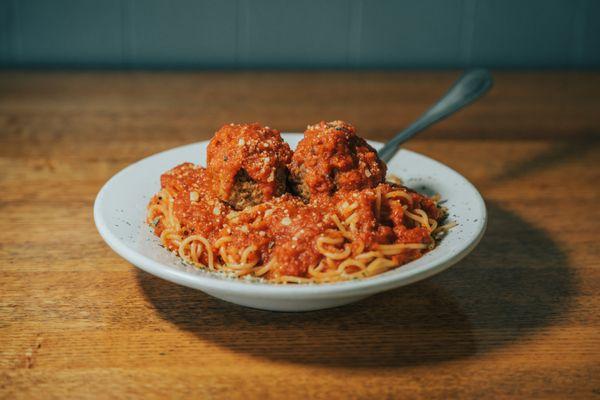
(68, 32)
(182, 33)
(300, 34)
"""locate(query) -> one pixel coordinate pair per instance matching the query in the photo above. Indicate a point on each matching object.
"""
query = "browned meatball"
(332, 157)
(247, 164)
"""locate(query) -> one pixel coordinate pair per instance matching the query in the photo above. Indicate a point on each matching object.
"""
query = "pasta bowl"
(120, 216)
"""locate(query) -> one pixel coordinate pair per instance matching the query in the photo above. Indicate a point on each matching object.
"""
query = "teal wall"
(299, 34)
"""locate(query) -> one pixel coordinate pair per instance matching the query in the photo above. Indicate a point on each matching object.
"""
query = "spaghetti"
(358, 231)
(248, 242)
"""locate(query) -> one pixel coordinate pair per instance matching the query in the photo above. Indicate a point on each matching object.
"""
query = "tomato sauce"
(259, 152)
(287, 228)
(342, 179)
(331, 157)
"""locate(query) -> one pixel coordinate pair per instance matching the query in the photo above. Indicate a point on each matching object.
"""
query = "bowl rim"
(391, 279)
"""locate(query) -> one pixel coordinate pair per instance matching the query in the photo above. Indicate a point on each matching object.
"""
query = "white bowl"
(120, 211)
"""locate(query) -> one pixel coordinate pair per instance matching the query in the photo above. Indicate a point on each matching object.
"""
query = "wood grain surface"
(518, 318)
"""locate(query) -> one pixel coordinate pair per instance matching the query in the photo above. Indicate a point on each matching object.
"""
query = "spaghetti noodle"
(331, 237)
(344, 249)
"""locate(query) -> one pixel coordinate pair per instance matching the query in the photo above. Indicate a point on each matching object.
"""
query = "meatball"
(247, 164)
(332, 157)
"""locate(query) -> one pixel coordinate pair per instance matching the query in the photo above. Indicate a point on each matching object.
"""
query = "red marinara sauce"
(247, 164)
(194, 205)
(286, 227)
(332, 157)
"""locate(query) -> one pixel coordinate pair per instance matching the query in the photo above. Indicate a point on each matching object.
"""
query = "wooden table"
(519, 317)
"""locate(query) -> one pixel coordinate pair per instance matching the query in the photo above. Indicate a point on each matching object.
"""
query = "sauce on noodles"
(348, 233)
